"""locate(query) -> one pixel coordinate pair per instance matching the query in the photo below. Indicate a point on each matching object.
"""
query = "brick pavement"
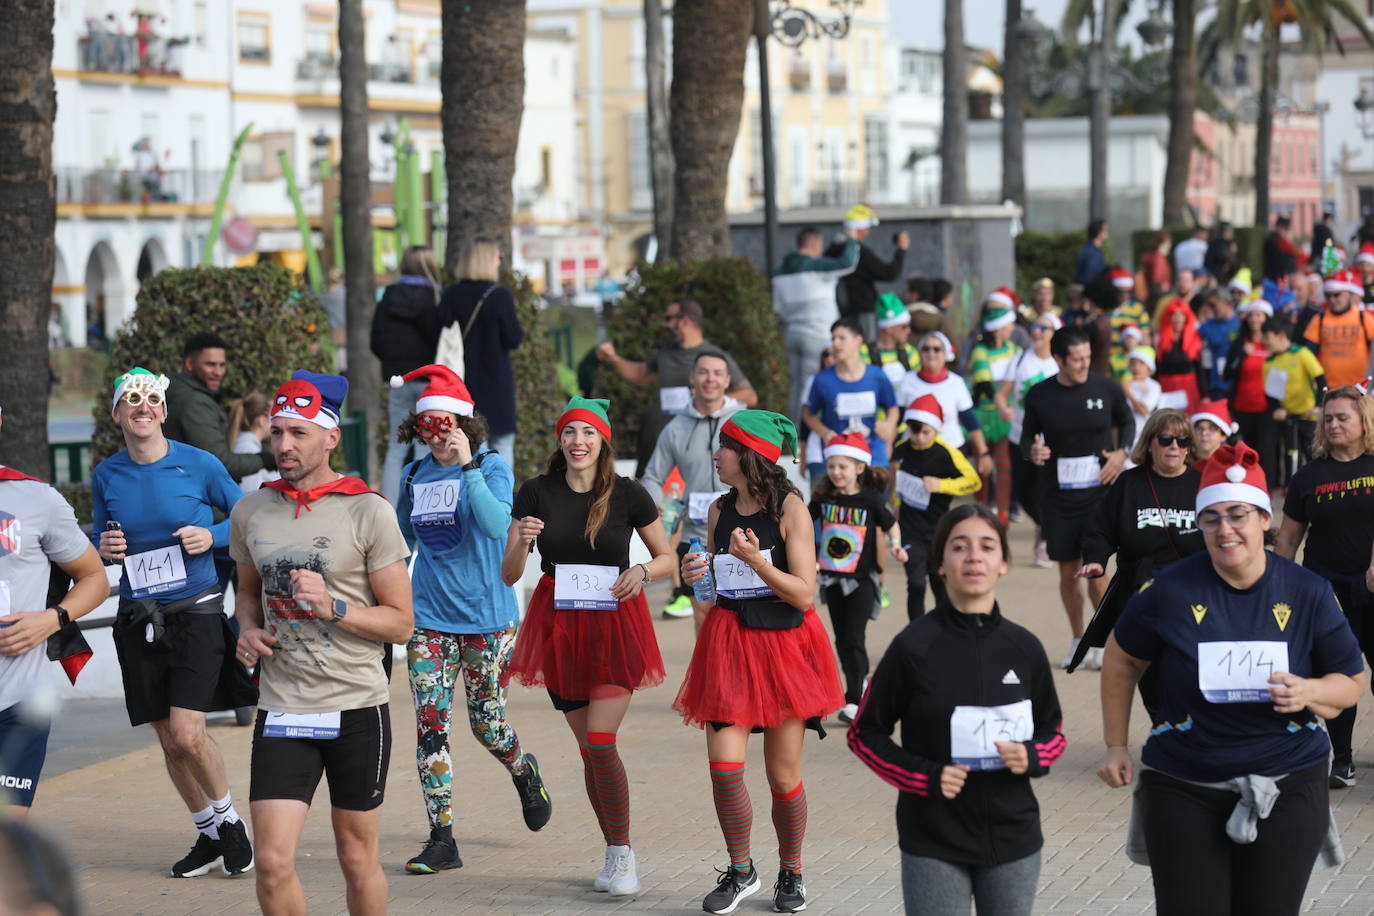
(124, 826)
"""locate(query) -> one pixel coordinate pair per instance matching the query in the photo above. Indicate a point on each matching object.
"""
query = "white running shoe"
(849, 713)
(624, 871)
(1042, 557)
(602, 882)
(1093, 660)
(1068, 656)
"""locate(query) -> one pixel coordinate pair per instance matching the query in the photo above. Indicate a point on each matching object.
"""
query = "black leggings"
(1199, 871)
(1356, 602)
(918, 571)
(849, 616)
(1024, 486)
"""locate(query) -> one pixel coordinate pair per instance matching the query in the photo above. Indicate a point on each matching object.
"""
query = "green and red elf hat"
(762, 431)
(591, 411)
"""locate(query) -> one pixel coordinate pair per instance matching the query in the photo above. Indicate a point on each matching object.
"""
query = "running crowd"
(1101, 425)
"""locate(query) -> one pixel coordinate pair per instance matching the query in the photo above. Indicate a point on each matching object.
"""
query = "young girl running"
(762, 660)
(454, 510)
(587, 636)
(850, 508)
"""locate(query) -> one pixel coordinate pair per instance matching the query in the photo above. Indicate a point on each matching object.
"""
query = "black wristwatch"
(472, 465)
(63, 618)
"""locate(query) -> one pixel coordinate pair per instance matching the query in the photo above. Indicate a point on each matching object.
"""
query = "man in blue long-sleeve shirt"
(1091, 260)
(175, 648)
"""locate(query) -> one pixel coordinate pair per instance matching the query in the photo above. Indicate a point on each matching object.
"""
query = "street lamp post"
(791, 26)
(1364, 111)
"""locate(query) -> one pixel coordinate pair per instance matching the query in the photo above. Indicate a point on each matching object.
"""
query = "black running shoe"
(732, 887)
(440, 853)
(789, 894)
(238, 852)
(534, 798)
(203, 856)
(1342, 774)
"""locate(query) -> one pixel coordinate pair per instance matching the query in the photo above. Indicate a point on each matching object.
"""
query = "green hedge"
(1046, 254)
(539, 396)
(268, 317)
(738, 308)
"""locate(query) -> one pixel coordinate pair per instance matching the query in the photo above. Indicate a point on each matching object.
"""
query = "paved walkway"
(124, 826)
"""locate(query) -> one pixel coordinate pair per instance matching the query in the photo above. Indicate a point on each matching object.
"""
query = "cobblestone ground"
(124, 826)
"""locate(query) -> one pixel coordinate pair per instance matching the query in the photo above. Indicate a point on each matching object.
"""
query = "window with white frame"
(255, 37)
(876, 159)
(641, 184)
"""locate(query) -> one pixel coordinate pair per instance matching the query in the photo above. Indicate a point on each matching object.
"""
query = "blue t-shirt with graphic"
(840, 404)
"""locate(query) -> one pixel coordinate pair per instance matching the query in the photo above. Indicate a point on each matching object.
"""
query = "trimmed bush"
(738, 307)
(539, 396)
(1046, 254)
(268, 317)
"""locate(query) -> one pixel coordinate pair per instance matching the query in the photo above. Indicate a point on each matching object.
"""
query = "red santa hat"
(1005, 296)
(1344, 280)
(850, 445)
(1121, 278)
(1366, 254)
(1215, 412)
(1233, 474)
(926, 409)
(445, 390)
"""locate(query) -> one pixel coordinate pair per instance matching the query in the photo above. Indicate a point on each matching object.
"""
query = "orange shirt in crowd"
(1343, 344)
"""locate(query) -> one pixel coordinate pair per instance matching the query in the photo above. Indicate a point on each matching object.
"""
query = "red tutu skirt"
(570, 652)
(1185, 382)
(758, 678)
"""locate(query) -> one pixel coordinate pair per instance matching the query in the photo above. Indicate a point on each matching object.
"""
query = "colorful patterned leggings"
(434, 661)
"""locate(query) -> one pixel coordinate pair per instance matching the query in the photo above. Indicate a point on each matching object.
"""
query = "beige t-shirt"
(317, 666)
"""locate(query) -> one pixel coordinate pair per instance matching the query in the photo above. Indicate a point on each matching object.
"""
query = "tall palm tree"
(954, 130)
(709, 41)
(1013, 108)
(1182, 104)
(660, 133)
(28, 104)
(483, 83)
(355, 207)
(1317, 22)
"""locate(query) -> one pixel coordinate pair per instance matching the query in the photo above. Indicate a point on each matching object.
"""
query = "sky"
(982, 20)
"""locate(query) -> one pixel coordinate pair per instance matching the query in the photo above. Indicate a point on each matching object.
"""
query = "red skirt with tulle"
(755, 678)
(570, 652)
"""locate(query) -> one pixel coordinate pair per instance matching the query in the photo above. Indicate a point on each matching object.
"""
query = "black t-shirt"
(564, 514)
(847, 533)
(1076, 421)
(1335, 500)
(1131, 524)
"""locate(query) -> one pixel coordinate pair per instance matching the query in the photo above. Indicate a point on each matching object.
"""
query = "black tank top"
(757, 611)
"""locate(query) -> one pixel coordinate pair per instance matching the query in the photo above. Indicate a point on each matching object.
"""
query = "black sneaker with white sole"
(235, 847)
(789, 894)
(534, 797)
(732, 887)
(440, 853)
(1342, 774)
(203, 856)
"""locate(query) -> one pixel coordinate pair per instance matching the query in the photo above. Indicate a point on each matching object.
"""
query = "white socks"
(206, 822)
(224, 810)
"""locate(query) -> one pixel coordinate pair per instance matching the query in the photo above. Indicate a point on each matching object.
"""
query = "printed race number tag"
(1239, 672)
(1175, 400)
(674, 400)
(154, 572)
(699, 505)
(1079, 473)
(975, 730)
(316, 726)
(912, 490)
(435, 502)
(854, 404)
(735, 579)
(583, 587)
(1276, 384)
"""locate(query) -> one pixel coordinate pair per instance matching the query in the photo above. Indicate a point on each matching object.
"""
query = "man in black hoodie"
(857, 293)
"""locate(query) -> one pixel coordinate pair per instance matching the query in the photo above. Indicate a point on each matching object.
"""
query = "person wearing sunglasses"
(152, 511)
(1147, 520)
(1231, 812)
(1329, 503)
(454, 511)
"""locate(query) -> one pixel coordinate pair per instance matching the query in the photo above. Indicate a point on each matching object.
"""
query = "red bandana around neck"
(350, 486)
(933, 377)
(12, 474)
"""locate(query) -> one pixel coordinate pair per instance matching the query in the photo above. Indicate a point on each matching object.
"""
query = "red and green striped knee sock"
(607, 774)
(590, 783)
(789, 818)
(734, 809)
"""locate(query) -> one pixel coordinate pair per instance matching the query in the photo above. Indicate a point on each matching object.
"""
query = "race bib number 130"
(975, 730)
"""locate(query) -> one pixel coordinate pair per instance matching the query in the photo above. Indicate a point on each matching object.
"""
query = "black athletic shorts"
(183, 669)
(1065, 522)
(563, 704)
(355, 763)
(23, 748)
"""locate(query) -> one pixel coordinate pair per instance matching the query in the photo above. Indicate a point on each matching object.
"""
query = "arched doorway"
(151, 260)
(104, 295)
(69, 305)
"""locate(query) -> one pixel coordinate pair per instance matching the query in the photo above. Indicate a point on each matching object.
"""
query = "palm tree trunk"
(1264, 122)
(355, 207)
(1013, 109)
(1182, 102)
(483, 84)
(660, 133)
(28, 104)
(709, 41)
(954, 131)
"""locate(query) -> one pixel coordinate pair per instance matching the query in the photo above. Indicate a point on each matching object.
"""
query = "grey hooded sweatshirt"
(687, 443)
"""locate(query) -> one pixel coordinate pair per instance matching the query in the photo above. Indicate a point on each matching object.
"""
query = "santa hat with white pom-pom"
(445, 390)
(1233, 475)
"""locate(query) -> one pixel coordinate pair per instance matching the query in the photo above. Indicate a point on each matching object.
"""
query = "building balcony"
(317, 67)
(799, 77)
(145, 54)
(390, 73)
(837, 194)
(127, 186)
(836, 76)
